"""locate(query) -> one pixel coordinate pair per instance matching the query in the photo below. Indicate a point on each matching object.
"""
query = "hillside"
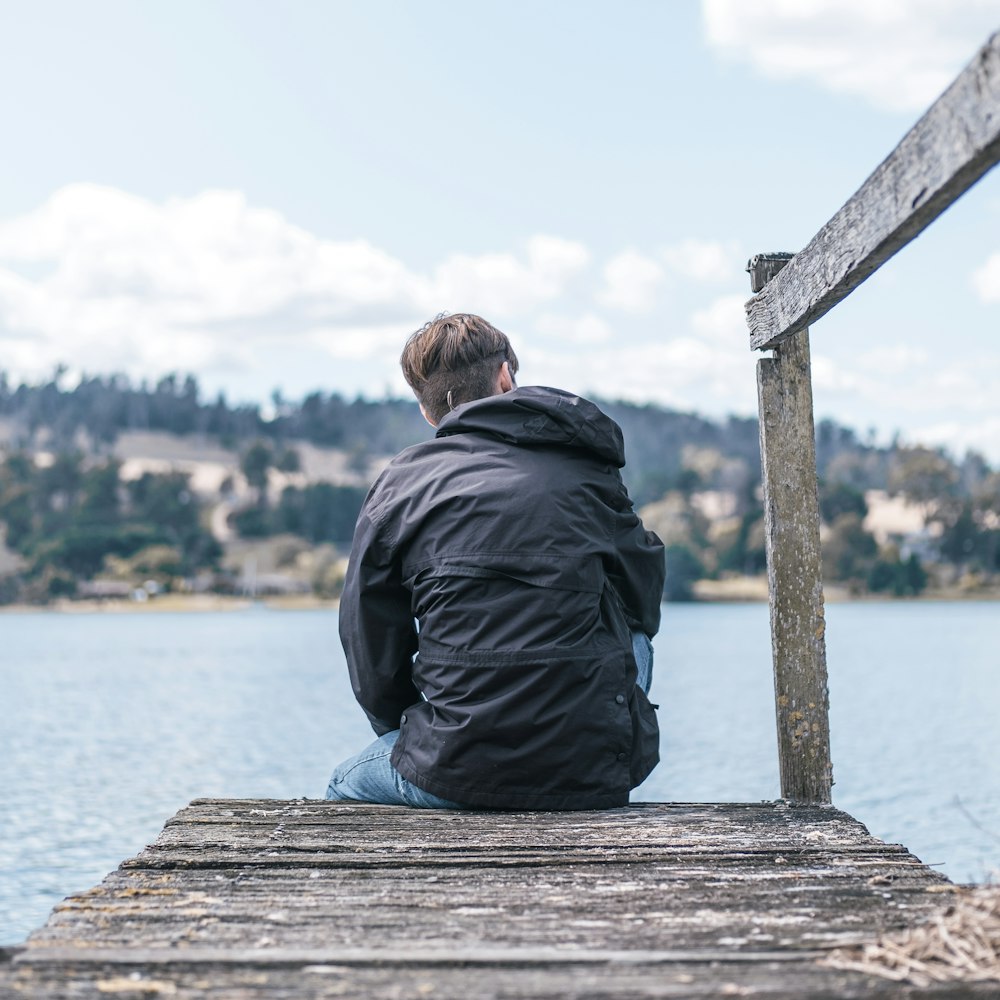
(106, 487)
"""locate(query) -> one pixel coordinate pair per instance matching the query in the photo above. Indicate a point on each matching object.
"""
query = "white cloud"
(938, 398)
(555, 259)
(704, 260)
(631, 281)
(689, 373)
(584, 330)
(724, 323)
(893, 359)
(106, 281)
(361, 343)
(501, 282)
(896, 54)
(981, 436)
(706, 367)
(830, 377)
(986, 280)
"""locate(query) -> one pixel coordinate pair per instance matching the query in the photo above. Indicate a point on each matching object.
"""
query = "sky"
(272, 196)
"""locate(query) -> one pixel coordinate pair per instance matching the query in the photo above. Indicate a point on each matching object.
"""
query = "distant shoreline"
(176, 602)
(739, 590)
(753, 589)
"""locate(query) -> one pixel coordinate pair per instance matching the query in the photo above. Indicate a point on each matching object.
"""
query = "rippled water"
(112, 722)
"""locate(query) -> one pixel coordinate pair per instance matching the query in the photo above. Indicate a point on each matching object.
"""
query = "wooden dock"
(260, 898)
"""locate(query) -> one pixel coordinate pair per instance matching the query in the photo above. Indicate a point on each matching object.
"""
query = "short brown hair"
(456, 356)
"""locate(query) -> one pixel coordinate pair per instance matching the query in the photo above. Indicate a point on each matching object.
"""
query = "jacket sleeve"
(636, 567)
(377, 630)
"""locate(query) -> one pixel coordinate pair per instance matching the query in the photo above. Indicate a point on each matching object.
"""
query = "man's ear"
(427, 416)
(505, 381)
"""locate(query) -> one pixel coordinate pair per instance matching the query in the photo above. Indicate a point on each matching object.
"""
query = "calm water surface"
(112, 722)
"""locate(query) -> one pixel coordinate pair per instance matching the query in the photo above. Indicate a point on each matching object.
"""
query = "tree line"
(102, 407)
(69, 520)
(71, 517)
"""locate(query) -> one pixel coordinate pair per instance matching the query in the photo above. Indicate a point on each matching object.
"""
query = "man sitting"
(500, 597)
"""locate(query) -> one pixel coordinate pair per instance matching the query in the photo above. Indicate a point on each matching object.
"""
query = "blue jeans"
(642, 650)
(370, 777)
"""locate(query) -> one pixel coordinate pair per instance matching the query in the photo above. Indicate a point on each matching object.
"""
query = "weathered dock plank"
(246, 898)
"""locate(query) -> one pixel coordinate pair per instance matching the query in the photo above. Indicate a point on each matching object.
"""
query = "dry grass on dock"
(959, 944)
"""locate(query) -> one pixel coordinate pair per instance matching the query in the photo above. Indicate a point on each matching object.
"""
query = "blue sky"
(274, 195)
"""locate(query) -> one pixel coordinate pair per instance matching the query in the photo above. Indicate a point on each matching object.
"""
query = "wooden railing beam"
(938, 160)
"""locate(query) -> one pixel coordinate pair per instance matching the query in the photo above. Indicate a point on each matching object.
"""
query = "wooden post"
(941, 157)
(791, 519)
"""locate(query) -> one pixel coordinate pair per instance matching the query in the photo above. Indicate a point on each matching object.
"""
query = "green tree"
(743, 550)
(924, 476)
(836, 498)
(66, 520)
(167, 501)
(254, 463)
(684, 569)
(962, 539)
(321, 512)
(17, 510)
(99, 494)
(848, 551)
(288, 460)
(257, 521)
(903, 578)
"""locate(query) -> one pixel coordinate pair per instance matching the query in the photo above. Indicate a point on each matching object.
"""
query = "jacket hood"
(537, 415)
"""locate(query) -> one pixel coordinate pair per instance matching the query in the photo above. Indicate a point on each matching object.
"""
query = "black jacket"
(511, 541)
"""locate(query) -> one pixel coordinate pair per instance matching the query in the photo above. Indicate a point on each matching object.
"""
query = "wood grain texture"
(941, 157)
(794, 570)
(261, 898)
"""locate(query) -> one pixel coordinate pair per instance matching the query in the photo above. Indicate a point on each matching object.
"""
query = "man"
(499, 597)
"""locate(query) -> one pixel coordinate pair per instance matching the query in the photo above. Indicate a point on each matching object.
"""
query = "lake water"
(109, 723)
